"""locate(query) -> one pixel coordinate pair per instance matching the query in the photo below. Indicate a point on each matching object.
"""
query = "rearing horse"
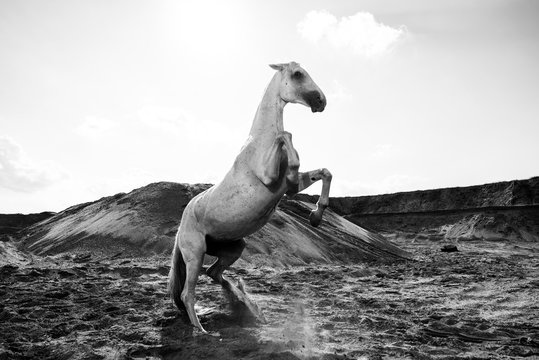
(216, 221)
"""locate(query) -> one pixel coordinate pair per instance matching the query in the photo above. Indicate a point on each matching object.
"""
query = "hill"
(145, 221)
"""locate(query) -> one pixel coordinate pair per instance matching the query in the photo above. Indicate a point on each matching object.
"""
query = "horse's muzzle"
(318, 109)
(316, 100)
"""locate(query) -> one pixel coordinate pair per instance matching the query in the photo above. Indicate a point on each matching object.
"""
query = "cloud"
(95, 127)
(360, 33)
(382, 151)
(19, 173)
(188, 128)
(167, 119)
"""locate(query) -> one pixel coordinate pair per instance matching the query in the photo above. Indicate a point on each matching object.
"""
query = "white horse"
(216, 221)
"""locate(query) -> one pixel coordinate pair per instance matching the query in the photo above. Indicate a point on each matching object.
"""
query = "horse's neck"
(268, 120)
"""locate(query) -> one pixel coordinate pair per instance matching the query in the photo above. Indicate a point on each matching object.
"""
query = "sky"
(100, 97)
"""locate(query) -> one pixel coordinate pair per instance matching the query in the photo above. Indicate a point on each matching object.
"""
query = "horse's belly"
(236, 214)
(231, 230)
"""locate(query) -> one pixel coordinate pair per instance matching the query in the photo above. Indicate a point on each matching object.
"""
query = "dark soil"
(478, 303)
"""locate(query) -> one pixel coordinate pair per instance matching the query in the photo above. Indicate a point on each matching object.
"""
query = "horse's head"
(298, 87)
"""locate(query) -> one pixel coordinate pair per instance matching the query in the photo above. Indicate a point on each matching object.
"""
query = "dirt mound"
(501, 223)
(289, 239)
(12, 223)
(145, 221)
(505, 210)
(510, 224)
(10, 255)
(507, 193)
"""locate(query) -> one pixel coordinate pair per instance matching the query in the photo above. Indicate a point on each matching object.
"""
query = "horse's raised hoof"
(315, 218)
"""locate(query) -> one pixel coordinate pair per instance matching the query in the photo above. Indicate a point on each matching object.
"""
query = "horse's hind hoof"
(315, 219)
(262, 318)
(199, 331)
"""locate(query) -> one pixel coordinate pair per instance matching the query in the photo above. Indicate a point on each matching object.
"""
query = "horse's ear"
(277, 67)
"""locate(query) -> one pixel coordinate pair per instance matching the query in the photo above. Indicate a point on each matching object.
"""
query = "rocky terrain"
(459, 280)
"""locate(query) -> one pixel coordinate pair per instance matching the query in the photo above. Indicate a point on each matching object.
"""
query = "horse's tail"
(176, 277)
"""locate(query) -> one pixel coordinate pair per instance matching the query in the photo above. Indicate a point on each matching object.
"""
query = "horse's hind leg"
(227, 253)
(308, 178)
(193, 246)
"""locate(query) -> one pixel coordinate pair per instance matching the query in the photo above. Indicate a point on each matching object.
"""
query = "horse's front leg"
(308, 178)
(292, 175)
(267, 170)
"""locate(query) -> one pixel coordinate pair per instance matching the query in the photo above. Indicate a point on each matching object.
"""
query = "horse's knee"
(293, 189)
(284, 136)
(326, 174)
(322, 203)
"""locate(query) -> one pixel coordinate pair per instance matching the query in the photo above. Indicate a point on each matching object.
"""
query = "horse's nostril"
(316, 101)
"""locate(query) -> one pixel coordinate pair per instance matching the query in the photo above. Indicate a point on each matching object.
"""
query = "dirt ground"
(481, 302)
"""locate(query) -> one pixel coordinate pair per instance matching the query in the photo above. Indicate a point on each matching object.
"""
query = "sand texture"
(480, 302)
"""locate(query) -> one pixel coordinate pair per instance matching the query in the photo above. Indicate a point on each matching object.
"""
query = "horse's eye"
(297, 75)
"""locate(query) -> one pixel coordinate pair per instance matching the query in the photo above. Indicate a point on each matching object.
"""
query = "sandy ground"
(481, 302)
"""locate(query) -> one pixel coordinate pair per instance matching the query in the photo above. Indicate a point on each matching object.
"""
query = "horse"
(215, 221)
